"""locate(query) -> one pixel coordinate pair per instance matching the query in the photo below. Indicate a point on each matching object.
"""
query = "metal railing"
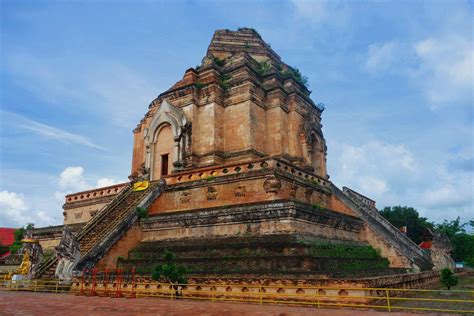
(387, 299)
(52, 286)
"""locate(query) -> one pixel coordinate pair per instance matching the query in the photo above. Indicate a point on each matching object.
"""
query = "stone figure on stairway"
(68, 253)
(142, 174)
(32, 255)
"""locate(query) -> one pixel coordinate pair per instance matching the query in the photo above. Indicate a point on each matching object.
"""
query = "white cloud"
(446, 65)
(380, 56)
(47, 131)
(42, 195)
(13, 210)
(445, 195)
(441, 67)
(390, 174)
(105, 182)
(99, 91)
(322, 13)
(72, 179)
(58, 134)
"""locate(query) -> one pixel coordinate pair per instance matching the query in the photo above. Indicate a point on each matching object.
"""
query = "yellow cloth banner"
(140, 186)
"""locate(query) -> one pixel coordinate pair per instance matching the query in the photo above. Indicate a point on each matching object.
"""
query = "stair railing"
(104, 212)
(388, 226)
(45, 266)
(125, 218)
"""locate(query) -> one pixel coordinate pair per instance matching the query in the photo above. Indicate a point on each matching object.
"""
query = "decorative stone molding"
(185, 197)
(239, 190)
(252, 213)
(272, 184)
(211, 194)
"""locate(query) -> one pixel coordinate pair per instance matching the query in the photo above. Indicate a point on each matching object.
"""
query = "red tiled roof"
(6, 254)
(7, 236)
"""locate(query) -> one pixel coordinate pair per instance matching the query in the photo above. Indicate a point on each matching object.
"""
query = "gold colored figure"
(25, 264)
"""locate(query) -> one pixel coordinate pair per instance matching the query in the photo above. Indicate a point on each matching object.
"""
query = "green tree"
(18, 237)
(170, 271)
(142, 212)
(400, 216)
(3, 249)
(462, 242)
(451, 228)
(448, 278)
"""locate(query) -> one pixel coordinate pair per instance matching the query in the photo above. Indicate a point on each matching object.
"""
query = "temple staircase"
(384, 228)
(107, 227)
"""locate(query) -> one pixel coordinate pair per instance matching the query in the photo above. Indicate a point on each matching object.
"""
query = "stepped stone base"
(271, 238)
(281, 255)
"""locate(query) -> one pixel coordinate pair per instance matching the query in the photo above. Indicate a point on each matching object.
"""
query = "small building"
(7, 238)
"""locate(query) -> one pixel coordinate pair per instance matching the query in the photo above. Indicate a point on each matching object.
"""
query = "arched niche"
(168, 134)
(317, 154)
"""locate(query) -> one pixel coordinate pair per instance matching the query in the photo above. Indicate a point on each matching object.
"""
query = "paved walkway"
(28, 303)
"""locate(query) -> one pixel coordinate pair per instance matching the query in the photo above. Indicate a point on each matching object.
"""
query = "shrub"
(224, 81)
(218, 61)
(263, 67)
(448, 278)
(170, 271)
(199, 85)
(16, 246)
(141, 212)
(210, 178)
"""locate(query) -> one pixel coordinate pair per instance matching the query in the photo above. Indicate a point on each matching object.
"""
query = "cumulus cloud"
(105, 182)
(381, 56)
(447, 66)
(13, 210)
(374, 168)
(72, 180)
(440, 67)
(318, 13)
(17, 211)
(392, 175)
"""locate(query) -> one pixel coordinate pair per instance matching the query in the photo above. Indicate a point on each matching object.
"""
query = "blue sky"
(396, 78)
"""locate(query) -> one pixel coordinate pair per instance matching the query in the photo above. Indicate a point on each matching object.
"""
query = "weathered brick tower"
(240, 145)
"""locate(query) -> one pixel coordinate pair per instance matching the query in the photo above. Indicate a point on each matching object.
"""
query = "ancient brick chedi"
(237, 162)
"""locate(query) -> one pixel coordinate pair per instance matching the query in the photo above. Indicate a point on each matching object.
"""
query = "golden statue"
(25, 264)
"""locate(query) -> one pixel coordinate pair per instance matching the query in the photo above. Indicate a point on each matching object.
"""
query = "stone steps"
(382, 226)
(97, 236)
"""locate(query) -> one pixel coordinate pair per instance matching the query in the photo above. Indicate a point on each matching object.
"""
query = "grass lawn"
(466, 283)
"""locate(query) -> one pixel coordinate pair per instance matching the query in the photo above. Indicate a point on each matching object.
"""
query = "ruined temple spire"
(225, 43)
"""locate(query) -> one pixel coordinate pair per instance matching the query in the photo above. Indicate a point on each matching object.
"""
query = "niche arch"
(169, 133)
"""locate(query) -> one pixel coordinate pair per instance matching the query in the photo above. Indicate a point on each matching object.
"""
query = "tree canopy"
(461, 241)
(170, 271)
(400, 216)
(18, 237)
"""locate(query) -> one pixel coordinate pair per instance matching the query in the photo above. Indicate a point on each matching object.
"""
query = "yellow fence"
(52, 286)
(386, 299)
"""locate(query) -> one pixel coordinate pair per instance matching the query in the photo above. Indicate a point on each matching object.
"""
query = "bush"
(448, 278)
(141, 212)
(170, 271)
(16, 246)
